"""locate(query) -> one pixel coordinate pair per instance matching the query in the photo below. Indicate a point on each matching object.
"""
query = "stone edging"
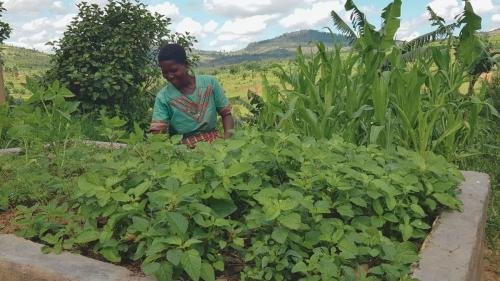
(453, 251)
(101, 144)
(23, 260)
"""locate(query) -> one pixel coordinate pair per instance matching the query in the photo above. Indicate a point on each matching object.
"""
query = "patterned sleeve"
(161, 111)
(221, 102)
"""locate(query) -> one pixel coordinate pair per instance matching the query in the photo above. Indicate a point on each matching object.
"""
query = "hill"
(25, 59)
(280, 47)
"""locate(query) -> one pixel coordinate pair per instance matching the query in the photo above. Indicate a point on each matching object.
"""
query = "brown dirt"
(6, 217)
(491, 264)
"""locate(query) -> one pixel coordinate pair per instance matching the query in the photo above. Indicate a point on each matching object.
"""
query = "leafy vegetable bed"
(270, 205)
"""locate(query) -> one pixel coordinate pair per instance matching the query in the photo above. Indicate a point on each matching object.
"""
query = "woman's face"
(175, 73)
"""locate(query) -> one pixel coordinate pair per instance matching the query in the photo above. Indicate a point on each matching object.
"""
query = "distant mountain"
(292, 40)
(24, 59)
(281, 47)
(493, 32)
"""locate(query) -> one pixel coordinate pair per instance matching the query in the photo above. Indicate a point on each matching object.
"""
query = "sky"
(226, 25)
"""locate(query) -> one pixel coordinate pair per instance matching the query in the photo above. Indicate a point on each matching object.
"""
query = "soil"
(6, 218)
(491, 264)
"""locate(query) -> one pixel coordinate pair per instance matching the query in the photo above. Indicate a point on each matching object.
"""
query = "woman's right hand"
(158, 127)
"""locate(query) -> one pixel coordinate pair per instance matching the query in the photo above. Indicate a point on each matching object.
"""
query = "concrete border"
(11, 151)
(453, 251)
(100, 144)
(23, 260)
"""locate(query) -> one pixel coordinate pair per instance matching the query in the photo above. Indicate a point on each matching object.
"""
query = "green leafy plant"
(106, 58)
(256, 203)
(375, 95)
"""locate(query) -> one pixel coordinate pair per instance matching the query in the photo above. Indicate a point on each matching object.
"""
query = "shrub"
(106, 57)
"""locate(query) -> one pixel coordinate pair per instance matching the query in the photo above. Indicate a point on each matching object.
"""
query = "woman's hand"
(228, 124)
(158, 127)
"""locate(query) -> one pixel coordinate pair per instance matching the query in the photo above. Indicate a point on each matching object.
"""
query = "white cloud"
(62, 22)
(237, 8)
(483, 6)
(37, 24)
(98, 2)
(407, 29)
(210, 26)
(495, 18)
(318, 13)
(26, 6)
(446, 9)
(189, 25)
(241, 30)
(246, 25)
(167, 9)
(58, 6)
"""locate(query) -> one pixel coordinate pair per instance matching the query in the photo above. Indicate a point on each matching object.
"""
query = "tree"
(106, 57)
(4, 34)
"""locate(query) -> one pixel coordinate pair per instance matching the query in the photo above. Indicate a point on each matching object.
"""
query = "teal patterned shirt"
(191, 114)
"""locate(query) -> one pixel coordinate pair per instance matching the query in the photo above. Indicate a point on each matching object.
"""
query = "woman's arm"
(158, 127)
(228, 124)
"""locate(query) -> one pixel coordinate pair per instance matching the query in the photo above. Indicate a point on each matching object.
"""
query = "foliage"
(106, 57)
(47, 174)
(5, 28)
(374, 96)
(45, 117)
(254, 202)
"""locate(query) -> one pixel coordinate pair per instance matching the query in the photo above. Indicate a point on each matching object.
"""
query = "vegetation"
(375, 96)
(254, 202)
(5, 30)
(105, 58)
(381, 124)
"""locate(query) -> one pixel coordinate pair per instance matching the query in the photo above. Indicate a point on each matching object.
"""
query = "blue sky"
(226, 25)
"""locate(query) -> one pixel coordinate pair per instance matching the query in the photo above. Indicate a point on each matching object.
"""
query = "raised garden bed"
(453, 250)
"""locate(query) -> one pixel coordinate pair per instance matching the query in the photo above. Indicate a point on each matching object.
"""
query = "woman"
(189, 104)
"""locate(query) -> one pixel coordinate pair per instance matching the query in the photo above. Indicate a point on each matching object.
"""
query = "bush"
(106, 58)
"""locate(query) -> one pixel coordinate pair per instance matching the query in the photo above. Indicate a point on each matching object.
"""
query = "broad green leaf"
(178, 223)
(406, 231)
(291, 220)
(174, 256)
(345, 210)
(120, 196)
(328, 268)
(207, 272)
(110, 254)
(299, 267)
(158, 245)
(359, 201)
(174, 240)
(280, 234)
(102, 197)
(447, 200)
(191, 263)
(87, 236)
(151, 268)
(140, 189)
(418, 210)
(165, 272)
(390, 201)
(222, 207)
(140, 224)
(238, 168)
(377, 207)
